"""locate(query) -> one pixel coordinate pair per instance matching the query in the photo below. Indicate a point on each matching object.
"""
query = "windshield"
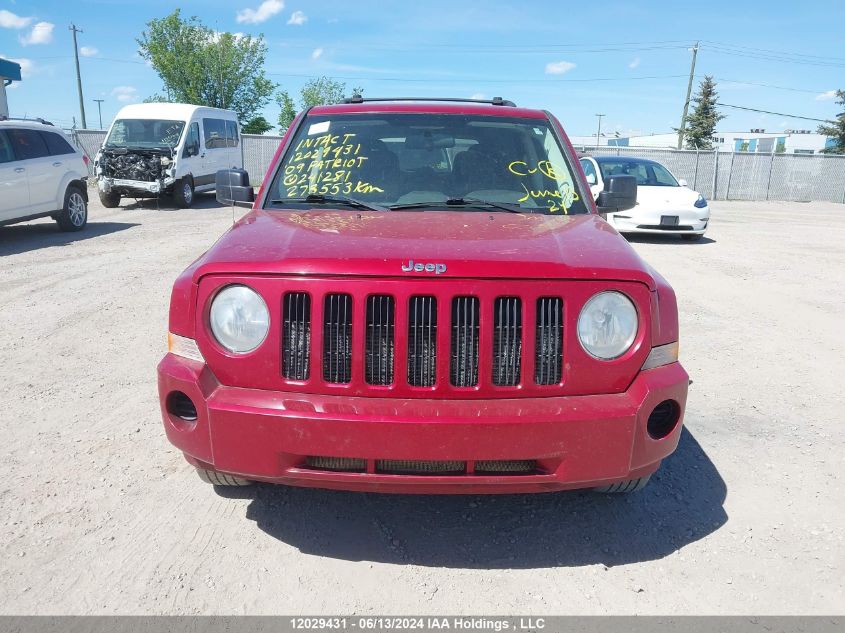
(425, 160)
(647, 173)
(145, 133)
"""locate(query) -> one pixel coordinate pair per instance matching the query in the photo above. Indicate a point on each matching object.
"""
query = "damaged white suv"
(166, 148)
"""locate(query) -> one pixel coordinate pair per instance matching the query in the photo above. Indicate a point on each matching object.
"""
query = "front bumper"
(690, 222)
(121, 185)
(577, 442)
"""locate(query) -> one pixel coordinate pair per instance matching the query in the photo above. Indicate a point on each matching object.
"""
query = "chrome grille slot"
(464, 360)
(548, 362)
(379, 343)
(507, 341)
(337, 338)
(422, 341)
(296, 336)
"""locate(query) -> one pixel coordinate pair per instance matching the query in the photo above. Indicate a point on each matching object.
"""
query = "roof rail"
(497, 101)
(3, 117)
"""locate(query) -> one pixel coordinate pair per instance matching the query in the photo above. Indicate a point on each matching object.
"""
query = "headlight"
(239, 319)
(700, 203)
(607, 325)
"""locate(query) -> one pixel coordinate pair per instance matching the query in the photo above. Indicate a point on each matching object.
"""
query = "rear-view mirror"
(619, 194)
(233, 187)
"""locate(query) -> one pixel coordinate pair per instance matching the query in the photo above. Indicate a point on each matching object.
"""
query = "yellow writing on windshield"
(327, 165)
(521, 168)
(558, 199)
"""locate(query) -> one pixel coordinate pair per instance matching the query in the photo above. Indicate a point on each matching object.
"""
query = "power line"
(761, 85)
(790, 116)
(773, 57)
(772, 51)
(479, 79)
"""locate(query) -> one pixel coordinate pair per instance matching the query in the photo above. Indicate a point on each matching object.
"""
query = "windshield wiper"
(458, 202)
(316, 198)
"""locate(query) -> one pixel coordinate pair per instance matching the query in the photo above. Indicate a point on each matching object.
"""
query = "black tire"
(183, 192)
(74, 213)
(691, 237)
(624, 487)
(222, 479)
(110, 200)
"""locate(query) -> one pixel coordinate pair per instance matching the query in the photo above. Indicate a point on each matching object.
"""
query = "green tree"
(701, 124)
(836, 131)
(318, 91)
(256, 125)
(201, 66)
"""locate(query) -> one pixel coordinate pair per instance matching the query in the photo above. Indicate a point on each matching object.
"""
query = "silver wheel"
(187, 192)
(77, 209)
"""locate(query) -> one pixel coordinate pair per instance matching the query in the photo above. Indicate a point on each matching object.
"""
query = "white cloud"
(558, 68)
(88, 51)
(317, 53)
(9, 20)
(264, 12)
(41, 33)
(298, 18)
(634, 63)
(125, 94)
(478, 95)
(826, 96)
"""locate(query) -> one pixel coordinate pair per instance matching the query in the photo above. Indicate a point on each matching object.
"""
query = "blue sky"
(627, 60)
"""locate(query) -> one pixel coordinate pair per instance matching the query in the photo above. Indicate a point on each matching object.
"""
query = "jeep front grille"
(391, 341)
(296, 336)
(337, 338)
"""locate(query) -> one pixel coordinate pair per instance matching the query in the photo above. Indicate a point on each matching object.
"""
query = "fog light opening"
(180, 405)
(663, 419)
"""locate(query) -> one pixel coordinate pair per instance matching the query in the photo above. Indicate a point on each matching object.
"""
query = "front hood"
(477, 244)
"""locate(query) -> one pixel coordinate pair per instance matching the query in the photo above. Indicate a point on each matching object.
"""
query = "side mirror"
(591, 179)
(619, 194)
(682, 182)
(233, 187)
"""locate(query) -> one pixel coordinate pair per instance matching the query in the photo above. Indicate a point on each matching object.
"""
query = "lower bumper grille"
(415, 467)
(663, 227)
(423, 467)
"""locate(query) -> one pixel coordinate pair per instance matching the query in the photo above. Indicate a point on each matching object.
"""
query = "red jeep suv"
(424, 298)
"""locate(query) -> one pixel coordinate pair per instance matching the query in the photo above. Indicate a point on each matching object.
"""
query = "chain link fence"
(716, 175)
(748, 175)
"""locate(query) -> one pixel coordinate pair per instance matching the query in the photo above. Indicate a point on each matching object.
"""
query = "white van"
(162, 148)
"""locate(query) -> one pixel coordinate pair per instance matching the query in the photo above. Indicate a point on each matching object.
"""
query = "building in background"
(755, 140)
(9, 72)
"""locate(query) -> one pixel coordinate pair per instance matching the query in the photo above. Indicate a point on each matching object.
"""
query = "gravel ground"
(101, 516)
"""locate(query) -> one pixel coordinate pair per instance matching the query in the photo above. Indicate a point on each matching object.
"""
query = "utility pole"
(598, 132)
(100, 110)
(75, 30)
(686, 103)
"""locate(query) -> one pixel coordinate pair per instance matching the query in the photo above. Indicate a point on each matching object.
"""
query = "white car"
(41, 175)
(166, 148)
(664, 203)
